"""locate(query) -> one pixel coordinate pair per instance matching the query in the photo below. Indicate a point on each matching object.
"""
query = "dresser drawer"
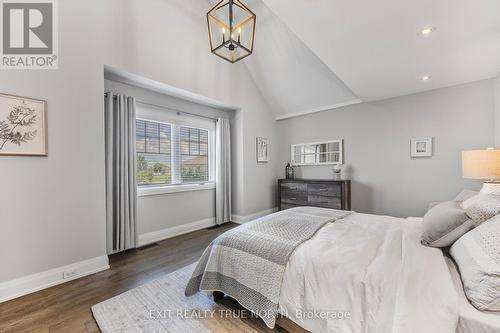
(324, 201)
(299, 198)
(285, 205)
(294, 187)
(330, 190)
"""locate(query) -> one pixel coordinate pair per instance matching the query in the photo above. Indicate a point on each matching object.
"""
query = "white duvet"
(372, 271)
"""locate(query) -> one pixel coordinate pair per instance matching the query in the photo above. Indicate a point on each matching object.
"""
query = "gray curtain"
(222, 171)
(121, 187)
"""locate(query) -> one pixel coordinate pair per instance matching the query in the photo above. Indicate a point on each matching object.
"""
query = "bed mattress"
(369, 273)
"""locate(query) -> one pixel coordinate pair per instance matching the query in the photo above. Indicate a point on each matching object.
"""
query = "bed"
(364, 273)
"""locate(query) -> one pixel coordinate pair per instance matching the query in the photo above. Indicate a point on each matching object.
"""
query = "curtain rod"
(179, 112)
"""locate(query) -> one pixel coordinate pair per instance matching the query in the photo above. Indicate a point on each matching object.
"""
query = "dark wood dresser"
(334, 194)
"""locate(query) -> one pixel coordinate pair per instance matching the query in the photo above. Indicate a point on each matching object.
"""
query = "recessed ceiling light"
(427, 31)
(426, 78)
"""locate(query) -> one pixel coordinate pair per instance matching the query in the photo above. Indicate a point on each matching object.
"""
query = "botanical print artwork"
(22, 126)
(262, 150)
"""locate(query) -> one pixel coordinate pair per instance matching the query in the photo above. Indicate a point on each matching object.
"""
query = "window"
(194, 155)
(154, 158)
(173, 152)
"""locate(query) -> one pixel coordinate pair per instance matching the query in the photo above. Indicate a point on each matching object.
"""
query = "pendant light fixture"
(231, 29)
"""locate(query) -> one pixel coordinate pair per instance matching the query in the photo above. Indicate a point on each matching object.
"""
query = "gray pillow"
(477, 255)
(482, 207)
(462, 196)
(444, 224)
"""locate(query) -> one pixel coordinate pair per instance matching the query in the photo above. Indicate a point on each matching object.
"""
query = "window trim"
(175, 186)
(146, 190)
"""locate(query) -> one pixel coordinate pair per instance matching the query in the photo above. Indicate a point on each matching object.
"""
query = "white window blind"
(194, 155)
(173, 149)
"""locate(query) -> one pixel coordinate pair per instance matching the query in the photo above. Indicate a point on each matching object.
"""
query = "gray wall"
(157, 212)
(377, 145)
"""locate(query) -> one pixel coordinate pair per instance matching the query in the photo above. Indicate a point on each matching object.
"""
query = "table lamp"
(483, 164)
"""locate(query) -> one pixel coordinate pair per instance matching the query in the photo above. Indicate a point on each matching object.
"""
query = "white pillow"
(477, 255)
(490, 188)
(482, 207)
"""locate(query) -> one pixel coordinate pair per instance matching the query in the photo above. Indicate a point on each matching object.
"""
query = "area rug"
(160, 306)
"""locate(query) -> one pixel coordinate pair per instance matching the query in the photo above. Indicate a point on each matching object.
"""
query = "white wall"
(255, 120)
(53, 208)
(377, 145)
(497, 111)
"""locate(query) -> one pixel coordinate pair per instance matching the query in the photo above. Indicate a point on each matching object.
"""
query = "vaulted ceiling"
(317, 54)
(289, 74)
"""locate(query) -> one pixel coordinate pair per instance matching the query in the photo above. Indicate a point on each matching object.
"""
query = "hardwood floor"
(66, 307)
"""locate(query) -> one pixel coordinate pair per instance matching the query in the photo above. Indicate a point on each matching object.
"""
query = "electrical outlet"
(68, 274)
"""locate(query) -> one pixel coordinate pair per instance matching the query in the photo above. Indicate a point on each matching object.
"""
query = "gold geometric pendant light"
(231, 29)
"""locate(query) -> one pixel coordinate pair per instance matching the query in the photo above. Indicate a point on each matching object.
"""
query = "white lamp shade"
(481, 164)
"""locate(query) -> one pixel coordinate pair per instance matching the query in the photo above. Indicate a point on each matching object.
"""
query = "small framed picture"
(23, 126)
(422, 147)
(262, 150)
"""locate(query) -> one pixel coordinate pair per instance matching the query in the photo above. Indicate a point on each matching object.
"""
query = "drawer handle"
(293, 188)
(293, 198)
(323, 190)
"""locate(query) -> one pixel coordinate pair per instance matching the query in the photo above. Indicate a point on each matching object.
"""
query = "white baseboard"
(38, 281)
(247, 218)
(159, 235)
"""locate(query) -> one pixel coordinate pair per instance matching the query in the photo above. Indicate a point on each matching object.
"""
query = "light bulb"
(427, 31)
(223, 31)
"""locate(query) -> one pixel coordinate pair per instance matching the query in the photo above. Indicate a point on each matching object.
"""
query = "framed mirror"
(318, 153)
